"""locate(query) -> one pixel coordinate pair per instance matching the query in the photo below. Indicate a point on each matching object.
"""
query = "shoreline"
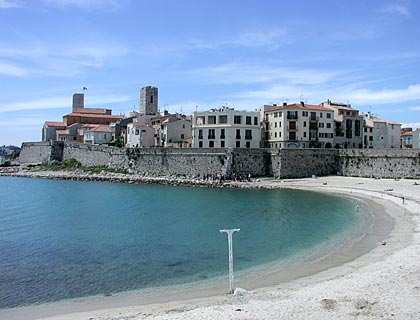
(270, 285)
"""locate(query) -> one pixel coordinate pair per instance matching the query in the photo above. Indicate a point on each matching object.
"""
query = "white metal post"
(230, 246)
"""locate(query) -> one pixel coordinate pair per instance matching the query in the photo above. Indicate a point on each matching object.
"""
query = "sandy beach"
(378, 277)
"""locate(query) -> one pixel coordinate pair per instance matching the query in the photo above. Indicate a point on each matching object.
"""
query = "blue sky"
(204, 54)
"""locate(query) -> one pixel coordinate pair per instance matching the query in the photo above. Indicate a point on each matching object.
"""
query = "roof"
(55, 124)
(98, 116)
(407, 134)
(297, 106)
(378, 120)
(100, 128)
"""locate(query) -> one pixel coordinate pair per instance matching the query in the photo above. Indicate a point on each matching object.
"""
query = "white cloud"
(61, 61)
(6, 4)
(59, 102)
(86, 3)
(397, 8)
(271, 40)
(414, 125)
(10, 69)
(384, 96)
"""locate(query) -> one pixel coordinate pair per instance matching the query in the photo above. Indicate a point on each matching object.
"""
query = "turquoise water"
(67, 239)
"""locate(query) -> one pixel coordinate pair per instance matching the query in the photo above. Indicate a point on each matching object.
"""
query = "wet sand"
(351, 282)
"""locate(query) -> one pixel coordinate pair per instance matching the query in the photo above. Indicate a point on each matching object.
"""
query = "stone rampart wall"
(301, 163)
(280, 163)
(380, 163)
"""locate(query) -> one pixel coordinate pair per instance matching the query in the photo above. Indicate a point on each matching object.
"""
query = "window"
(200, 144)
(201, 120)
(313, 116)
(276, 114)
(304, 124)
(212, 119)
(248, 134)
(238, 133)
(320, 114)
(370, 138)
(328, 115)
(275, 134)
(255, 121)
(200, 134)
(151, 99)
(304, 134)
(321, 125)
(292, 136)
(137, 132)
(237, 119)
(248, 144)
(182, 136)
(222, 133)
(222, 144)
(357, 126)
(275, 124)
(223, 119)
(280, 114)
(238, 144)
(183, 126)
(329, 125)
(304, 113)
(248, 120)
(212, 134)
(211, 144)
(292, 115)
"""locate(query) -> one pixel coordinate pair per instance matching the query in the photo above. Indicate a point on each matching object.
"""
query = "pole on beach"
(229, 233)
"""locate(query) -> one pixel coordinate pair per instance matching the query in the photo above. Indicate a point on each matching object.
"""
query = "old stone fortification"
(281, 163)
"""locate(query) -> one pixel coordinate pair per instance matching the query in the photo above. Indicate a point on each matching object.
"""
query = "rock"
(240, 292)
(329, 304)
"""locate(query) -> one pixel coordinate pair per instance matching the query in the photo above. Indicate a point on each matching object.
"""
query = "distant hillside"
(8, 150)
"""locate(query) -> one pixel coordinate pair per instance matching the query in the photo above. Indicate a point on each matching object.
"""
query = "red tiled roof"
(89, 115)
(55, 124)
(378, 120)
(100, 128)
(297, 106)
(407, 134)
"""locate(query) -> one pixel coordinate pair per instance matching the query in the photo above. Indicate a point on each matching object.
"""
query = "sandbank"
(375, 277)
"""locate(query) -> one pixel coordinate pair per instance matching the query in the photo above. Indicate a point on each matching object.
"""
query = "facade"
(149, 100)
(140, 135)
(348, 125)
(379, 133)
(50, 128)
(416, 139)
(100, 134)
(406, 138)
(78, 101)
(226, 128)
(297, 125)
(176, 133)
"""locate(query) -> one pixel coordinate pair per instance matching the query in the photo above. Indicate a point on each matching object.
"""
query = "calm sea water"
(66, 239)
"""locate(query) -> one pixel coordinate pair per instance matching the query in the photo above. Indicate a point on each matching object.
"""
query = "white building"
(175, 132)
(226, 128)
(348, 125)
(97, 134)
(140, 135)
(379, 133)
(297, 125)
(416, 139)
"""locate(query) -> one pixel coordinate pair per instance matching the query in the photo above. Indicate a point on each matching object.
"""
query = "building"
(416, 139)
(379, 133)
(226, 128)
(348, 125)
(97, 134)
(50, 128)
(176, 132)
(149, 100)
(297, 125)
(406, 138)
(140, 135)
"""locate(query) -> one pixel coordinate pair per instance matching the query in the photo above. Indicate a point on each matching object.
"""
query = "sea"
(70, 239)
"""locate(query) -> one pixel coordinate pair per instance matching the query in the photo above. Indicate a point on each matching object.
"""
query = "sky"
(205, 54)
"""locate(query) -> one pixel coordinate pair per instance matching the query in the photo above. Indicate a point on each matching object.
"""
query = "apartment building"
(297, 125)
(379, 133)
(226, 128)
(406, 138)
(416, 139)
(348, 125)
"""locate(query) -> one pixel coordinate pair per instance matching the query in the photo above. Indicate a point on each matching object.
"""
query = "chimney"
(302, 103)
(284, 103)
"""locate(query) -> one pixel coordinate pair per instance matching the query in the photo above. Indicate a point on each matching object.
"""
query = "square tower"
(78, 101)
(149, 100)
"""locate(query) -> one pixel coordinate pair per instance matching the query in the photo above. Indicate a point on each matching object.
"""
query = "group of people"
(222, 177)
